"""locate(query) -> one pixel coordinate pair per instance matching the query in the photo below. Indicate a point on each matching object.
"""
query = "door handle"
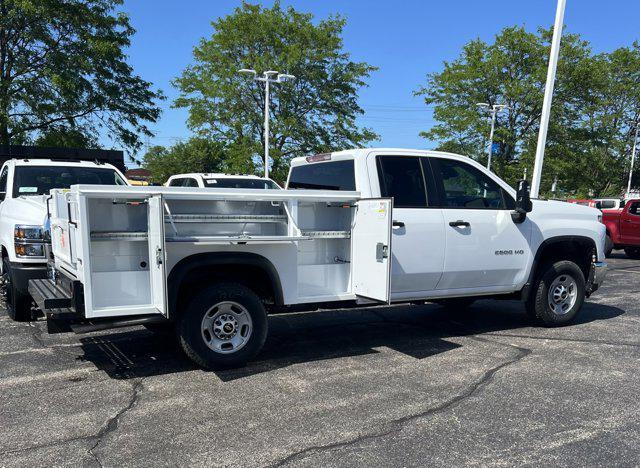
(459, 223)
(399, 224)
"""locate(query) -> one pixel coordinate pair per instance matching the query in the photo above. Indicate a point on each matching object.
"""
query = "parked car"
(24, 229)
(221, 181)
(623, 229)
(609, 203)
(356, 227)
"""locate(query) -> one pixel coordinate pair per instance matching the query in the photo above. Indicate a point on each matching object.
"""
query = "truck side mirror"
(523, 202)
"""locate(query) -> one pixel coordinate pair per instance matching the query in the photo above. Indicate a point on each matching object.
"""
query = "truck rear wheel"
(17, 303)
(558, 294)
(224, 326)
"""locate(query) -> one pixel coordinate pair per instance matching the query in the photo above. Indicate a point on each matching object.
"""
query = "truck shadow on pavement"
(416, 331)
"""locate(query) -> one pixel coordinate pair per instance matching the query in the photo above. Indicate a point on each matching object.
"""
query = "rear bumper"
(23, 272)
(597, 276)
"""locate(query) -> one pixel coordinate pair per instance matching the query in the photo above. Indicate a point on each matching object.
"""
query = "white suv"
(214, 180)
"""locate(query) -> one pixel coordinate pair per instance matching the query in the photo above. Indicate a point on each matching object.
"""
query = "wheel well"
(579, 250)
(195, 273)
(4, 253)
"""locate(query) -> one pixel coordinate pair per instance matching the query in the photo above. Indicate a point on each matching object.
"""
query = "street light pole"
(267, 79)
(494, 111)
(548, 96)
(633, 157)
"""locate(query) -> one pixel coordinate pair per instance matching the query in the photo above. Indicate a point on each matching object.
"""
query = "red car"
(585, 202)
(623, 229)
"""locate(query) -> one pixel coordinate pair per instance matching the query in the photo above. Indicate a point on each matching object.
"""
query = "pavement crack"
(397, 425)
(112, 423)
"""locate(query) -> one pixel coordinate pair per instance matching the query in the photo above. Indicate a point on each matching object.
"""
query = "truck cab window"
(464, 186)
(401, 177)
(190, 182)
(176, 182)
(633, 209)
(334, 175)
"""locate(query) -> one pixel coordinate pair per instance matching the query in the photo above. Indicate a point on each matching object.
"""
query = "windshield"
(39, 180)
(230, 182)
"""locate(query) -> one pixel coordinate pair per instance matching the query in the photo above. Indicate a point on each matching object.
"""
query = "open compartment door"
(371, 249)
(157, 255)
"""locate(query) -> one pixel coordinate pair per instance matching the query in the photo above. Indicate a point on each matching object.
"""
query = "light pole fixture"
(548, 97)
(267, 77)
(493, 110)
(633, 155)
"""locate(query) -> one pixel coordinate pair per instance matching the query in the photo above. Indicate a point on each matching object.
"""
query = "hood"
(30, 210)
(565, 209)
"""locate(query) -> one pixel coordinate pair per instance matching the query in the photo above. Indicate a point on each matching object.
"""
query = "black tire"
(456, 303)
(192, 338)
(538, 306)
(608, 246)
(18, 304)
(632, 252)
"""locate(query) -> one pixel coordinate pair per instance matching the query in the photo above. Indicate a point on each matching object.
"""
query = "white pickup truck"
(24, 188)
(356, 227)
(221, 180)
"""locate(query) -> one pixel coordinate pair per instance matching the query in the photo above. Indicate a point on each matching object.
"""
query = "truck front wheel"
(608, 246)
(558, 294)
(17, 303)
(632, 252)
(224, 326)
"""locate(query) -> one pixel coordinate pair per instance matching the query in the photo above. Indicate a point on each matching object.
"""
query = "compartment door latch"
(382, 251)
(159, 256)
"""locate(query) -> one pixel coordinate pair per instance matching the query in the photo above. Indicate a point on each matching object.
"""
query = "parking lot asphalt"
(388, 386)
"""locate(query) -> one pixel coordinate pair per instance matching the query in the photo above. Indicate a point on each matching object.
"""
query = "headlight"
(27, 233)
(29, 240)
(30, 250)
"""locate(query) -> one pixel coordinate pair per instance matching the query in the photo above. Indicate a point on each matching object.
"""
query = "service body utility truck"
(354, 227)
(25, 184)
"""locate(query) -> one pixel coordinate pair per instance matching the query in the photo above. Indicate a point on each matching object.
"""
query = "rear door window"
(334, 175)
(402, 178)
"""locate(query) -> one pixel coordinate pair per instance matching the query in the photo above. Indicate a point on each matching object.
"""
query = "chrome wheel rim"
(226, 327)
(562, 294)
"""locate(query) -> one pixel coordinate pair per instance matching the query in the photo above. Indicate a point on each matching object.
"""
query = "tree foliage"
(63, 69)
(194, 155)
(314, 113)
(588, 145)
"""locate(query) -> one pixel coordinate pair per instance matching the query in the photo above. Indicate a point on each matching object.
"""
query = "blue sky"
(405, 39)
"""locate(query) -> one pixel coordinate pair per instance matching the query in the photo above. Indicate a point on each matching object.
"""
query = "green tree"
(194, 155)
(512, 70)
(63, 68)
(66, 137)
(314, 113)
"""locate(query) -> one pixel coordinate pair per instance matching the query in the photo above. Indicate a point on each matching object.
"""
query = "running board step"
(89, 327)
(49, 295)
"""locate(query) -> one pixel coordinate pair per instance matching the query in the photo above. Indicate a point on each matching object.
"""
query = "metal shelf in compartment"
(219, 218)
(118, 236)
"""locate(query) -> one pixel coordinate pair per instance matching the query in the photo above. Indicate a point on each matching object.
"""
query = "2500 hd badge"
(509, 252)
